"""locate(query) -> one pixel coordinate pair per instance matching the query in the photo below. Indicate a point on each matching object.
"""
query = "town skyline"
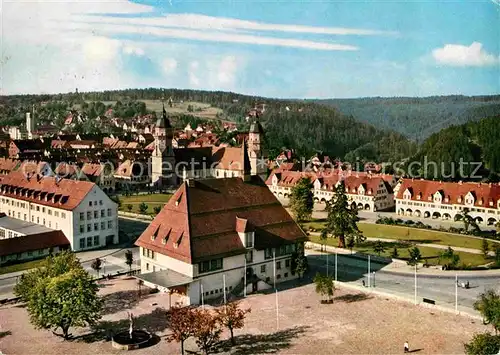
(333, 50)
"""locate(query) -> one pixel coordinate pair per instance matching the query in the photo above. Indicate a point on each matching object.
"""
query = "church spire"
(163, 121)
(247, 168)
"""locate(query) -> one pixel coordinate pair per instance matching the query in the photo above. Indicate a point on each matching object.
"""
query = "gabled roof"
(64, 193)
(453, 193)
(205, 215)
(32, 242)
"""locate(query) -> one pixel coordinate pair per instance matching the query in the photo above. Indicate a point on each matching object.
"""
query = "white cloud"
(134, 50)
(464, 56)
(169, 65)
(194, 79)
(227, 70)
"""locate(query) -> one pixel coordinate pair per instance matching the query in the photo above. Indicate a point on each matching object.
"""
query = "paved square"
(356, 323)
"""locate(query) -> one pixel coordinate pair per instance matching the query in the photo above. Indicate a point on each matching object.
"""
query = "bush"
(483, 344)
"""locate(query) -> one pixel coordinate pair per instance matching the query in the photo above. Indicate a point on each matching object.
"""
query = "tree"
(67, 300)
(488, 304)
(299, 261)
(129, 207)
(379, 247)
(350, 243)
(469, 221)
(207, 329)
(96, 265)
(157, 209)
(395, 253)
(129, 259)
(483, 344)
(497, 254)
(342, 220)
(415, 256)
(232, 317)
(497, 227)
(324, 285)
(301, 199)
(143, 207)
(323, 237)
(52, 266)
(182, 324)
(485, 247)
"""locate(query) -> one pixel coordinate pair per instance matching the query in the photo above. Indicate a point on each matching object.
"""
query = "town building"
(365, 191)
(23, 240)
(217, 233)
(79, 209)
(447, 200)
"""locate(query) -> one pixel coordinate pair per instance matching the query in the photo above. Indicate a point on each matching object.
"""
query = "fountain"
(131, 339)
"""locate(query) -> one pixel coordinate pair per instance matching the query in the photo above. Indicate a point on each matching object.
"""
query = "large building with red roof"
(365, 191)
(446, 200)
(80, 209)
(214, 233)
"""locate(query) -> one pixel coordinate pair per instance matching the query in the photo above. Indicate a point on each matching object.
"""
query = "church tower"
(256, 152)
(163, 158)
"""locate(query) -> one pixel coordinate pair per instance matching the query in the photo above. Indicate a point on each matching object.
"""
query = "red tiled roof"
(206, 215)
(31, 242)
(64, 194)
(7, 164)
(485, 195)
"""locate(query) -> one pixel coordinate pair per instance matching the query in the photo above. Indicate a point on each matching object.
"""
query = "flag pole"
(277, 312)
(368, 270)
(327, 273)
(456, 293)
(415, 283)
(224, 281)
(245, 279)
(274, 268)
(202, 299)
(335, 266)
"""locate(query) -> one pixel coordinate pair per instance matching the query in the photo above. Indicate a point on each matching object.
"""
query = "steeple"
(247, 168)
(163, 121)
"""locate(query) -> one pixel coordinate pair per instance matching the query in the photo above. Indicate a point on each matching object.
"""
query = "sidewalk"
(401, 266)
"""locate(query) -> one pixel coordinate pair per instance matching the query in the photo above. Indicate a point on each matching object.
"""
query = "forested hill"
(418, 118)
(472, 142)
(306, 127)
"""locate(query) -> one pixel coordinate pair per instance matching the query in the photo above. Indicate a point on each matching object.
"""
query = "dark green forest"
(471, 143)
(418, 118)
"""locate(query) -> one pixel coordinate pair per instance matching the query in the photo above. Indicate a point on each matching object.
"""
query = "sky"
(273, 48)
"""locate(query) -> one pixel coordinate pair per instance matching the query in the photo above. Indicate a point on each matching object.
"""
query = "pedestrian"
(407, 347)
(364, 283)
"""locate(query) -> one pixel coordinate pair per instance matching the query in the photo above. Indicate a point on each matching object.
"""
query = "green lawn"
(152, 201)
(410, 234)
(427, 252)
(20, 267)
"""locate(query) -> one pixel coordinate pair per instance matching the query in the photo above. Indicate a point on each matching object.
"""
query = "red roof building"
(210, 227)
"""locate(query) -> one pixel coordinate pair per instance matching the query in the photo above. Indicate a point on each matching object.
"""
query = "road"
(440, 288)
(113, 262)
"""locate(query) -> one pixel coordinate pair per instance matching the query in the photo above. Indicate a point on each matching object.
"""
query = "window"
(263, 269)
(30, 253)
(109, 212)
(63, 215)
(286, 274)
(43, 209)
(103, 213)
(89, 242)
(96, 240)
(50, 224)
(82, 243)
(25, 217)
(41, 251)
(89, 227)
(82, 216)
(56, 213)
(95, 203)
(38, 220)
(287, 263)
(152, 254)
(89, 215)
(44, 221)
(249, 256)
(210, 265)
(103, 225)
(110, 224)
(18, 215)
(100, 202)
(143, 252)
(278, 265)
(90, 203)
(49, 211)
(38, 208)
(96, 214)
(147, 266)
(249, 240)
(96, 226)
(82, 228)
